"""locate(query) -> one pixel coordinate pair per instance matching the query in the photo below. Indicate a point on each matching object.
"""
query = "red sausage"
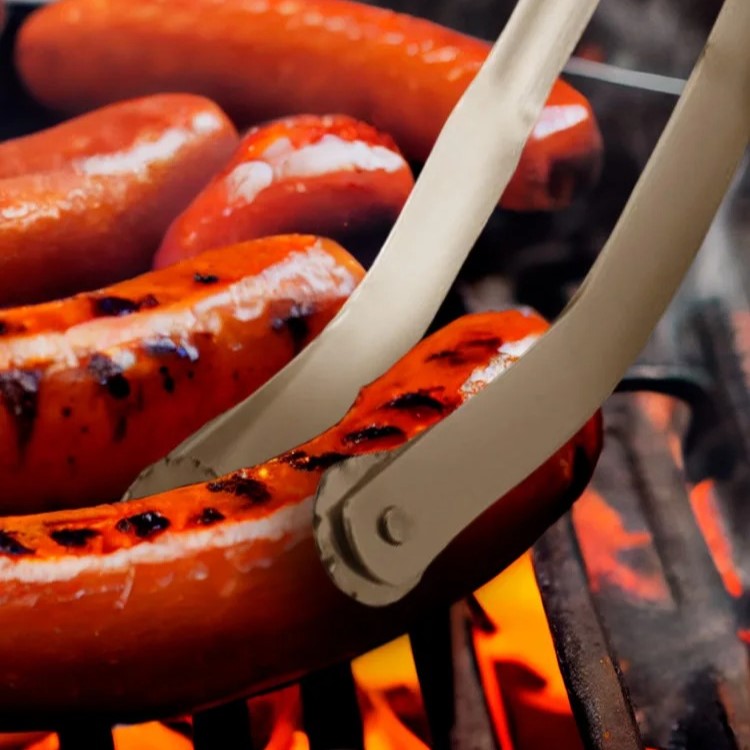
(154, 607)
(330, 176)
(96, 387)
(261, 59)
(86, 203)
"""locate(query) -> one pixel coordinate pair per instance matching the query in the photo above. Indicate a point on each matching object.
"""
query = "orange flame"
(603, 538)
(519, 670)
(708, 516)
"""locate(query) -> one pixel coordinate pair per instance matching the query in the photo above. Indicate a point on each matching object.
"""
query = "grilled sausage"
(86, 203)
(261, 59)
(156, 606)
(330, 176)
(96, 387)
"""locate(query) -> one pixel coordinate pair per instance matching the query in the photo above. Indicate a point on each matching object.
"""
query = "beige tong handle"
(472, 162)
(381, 522)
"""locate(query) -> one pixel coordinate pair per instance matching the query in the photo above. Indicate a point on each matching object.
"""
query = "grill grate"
(645, 575)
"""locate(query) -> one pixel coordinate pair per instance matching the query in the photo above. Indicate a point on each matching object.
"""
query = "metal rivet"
(394, 526)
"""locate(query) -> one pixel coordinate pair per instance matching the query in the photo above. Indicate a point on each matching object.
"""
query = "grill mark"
(302, 461)
(295, 322)
(10, 328)
(143, 525)
(246, 487)
(165, 347)
(464, 353)
(208, 517)
(109, 375)
(121, 428)
(374, 432)
(418, 403)
(167, 381)
(9, 545)
(117, 307)
(20, 394)
(74, 538)
(205, 278)
(451, 357)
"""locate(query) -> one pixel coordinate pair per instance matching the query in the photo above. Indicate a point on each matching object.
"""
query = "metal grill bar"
(226, 727)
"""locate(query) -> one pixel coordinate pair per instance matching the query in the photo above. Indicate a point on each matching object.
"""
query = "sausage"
(96, 387)
(331, 176)
(262, 59)
(150, 608)
(86, 203)
(120, 136)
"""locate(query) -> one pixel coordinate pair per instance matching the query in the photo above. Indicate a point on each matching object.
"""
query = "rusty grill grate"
(648, 572)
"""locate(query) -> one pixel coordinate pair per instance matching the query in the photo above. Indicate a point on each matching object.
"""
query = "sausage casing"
(331, 176)
(262, 59)
(86, 203)
(207, 592)
(96, 387)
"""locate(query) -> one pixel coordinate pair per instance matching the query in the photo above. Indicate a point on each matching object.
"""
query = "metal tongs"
(380, 520)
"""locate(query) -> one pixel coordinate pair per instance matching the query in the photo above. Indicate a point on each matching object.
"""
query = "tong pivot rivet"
(394, 526)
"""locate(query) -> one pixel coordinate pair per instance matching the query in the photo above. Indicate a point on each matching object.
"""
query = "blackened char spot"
(167, 381)
(374, 432)
(463, 353)
(295, 322)
(144, 525)
(164, 346)
(452, 357)
(115, 307)
(11, 546)
(208, 517)
(242, 486)
(8, 328)
(417, 403)
(121, 428)
(205, 278)
(109, 375)
(304, 462)
(66, 412)
(74, 537)
(20, 395)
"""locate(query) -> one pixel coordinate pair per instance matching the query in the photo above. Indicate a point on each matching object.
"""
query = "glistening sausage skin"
(261, 59)
(212, 591)
(96, 387)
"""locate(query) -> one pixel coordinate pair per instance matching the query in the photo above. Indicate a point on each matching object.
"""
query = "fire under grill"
(644, 584)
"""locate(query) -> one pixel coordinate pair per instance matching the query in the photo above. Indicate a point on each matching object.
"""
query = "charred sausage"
(96, 387)
(212, 591)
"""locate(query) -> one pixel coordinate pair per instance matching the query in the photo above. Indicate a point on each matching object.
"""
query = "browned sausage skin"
(211, 591)
(96, 387)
